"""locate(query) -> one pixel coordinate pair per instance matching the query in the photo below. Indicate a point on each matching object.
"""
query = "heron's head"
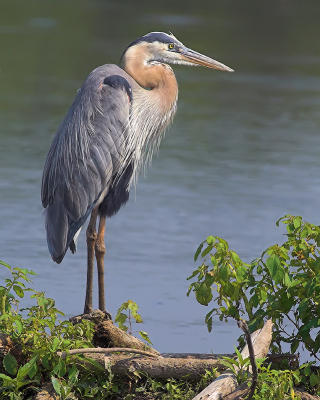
(159, 47)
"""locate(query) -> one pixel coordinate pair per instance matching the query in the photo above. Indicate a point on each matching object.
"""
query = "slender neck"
(158, 78)
(154, 104)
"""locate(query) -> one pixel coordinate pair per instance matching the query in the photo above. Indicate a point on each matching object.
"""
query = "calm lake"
(244, 148)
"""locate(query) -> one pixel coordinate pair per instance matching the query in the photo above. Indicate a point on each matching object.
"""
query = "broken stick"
(227, 383)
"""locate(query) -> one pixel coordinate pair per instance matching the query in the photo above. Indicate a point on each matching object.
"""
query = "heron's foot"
(87, 309)
(107, 315)
(96, 316)
(100, 315)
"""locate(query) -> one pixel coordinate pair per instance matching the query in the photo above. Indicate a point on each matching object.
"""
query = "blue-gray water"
(244, 148)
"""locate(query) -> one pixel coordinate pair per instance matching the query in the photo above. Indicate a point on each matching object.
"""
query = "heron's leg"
(91, 240)
(100, 252)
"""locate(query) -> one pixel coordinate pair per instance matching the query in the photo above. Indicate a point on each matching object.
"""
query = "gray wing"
(85, 155)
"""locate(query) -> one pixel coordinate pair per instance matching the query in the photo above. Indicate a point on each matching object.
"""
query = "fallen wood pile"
(125, 354)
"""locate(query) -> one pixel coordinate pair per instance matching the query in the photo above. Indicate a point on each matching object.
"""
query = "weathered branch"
(239, 394)
(226, 383)
(163, 367)
(223, 385)
(243, 325)
(89, 350)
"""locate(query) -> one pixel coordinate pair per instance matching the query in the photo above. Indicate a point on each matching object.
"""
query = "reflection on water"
(243, 150)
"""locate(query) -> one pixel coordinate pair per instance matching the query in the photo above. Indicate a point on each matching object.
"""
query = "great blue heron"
(111, 130)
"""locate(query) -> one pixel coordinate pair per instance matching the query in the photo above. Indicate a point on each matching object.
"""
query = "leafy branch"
(282, 284)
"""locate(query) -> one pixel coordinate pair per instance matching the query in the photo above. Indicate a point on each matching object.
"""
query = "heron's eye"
(171, 46)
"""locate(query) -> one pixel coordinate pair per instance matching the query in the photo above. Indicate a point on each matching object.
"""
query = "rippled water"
(243, 150)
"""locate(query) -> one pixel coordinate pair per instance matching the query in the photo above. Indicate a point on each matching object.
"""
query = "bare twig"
(243, 325)
(102, 350)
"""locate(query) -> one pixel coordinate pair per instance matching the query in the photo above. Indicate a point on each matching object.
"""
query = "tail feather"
(57, 227)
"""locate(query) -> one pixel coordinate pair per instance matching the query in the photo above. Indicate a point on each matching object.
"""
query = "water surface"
(243, 150)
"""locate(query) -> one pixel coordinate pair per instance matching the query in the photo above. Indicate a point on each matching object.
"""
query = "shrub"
(282, 284)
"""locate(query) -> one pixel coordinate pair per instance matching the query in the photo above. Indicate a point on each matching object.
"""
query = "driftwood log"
(187, 366)
(106, 334)
(177, 366)
(227, 383)
(164, 367)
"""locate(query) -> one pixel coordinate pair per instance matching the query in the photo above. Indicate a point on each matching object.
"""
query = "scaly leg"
(100, 252)
(91, 240)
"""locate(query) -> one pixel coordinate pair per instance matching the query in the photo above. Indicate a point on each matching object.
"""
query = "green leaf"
(26, 369)
(306, 368)
(254, 300)
(10, 364)
(208, 320)
(33, 370)
(294, 346)
(132, 306)
(198, 251)
(5, 265)
(241, 272)
(263, 296)
(209, 324)
(297, 222)
(60, 369)
(137, 317)
(6, 378)
(203, 294)
(194, 273)
(235, 258)
(314, 379)
(121, 319)
(94, 366)
(25, 271)
(55, 343)
(56, 385)
(287, 281)
(145, 336)
(313, 323)
(275, 268)
(210, 239)
(207, 250)
(224, 273)
(19, 291)
(18, 326)
(45, 361)
(73, 375)
(41, 300)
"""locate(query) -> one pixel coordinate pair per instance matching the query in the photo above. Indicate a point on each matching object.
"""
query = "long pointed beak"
(199, 59)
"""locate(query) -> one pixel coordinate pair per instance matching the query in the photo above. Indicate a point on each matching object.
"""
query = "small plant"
(124, 320)
(282, 284)
(41, 335)
(171, 388)
(310, 377)
(239, 367)
(276, 385)
(13, 386)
